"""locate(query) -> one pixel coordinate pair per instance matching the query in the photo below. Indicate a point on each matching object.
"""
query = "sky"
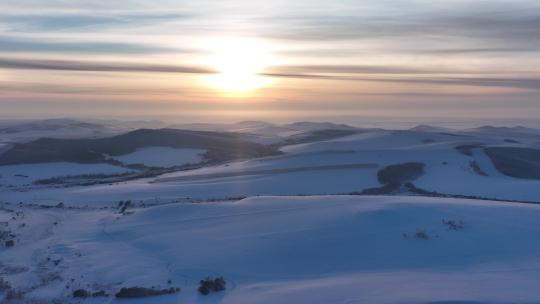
(271, 60)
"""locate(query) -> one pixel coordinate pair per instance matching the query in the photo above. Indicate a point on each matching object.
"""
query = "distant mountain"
(51, 125)
(252, 124)
(220, 146)
(517, 131)
(428, 128)
(24, 131)
(29, 130)
(267, 129)
(315, 126)
(242, 127)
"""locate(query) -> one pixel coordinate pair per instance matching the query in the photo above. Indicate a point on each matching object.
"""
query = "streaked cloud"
(47, 46)
(333, 72)
(83, 21)
(87, 66)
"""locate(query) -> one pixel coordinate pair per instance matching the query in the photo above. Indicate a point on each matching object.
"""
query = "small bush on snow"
(81, 293)
(207, 285)
(454, 224)
(421, 234)
(142, 292)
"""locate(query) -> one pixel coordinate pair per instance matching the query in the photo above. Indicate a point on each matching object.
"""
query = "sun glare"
(238, 62)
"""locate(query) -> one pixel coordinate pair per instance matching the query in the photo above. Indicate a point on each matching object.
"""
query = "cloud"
(84, 20)
(316, 72)
(501, 27)
(88, 66)
(350, 69)
(9, 44)
(502, 82)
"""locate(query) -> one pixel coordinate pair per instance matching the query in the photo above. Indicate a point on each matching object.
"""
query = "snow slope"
(19, 175)
(326, 249)
(162, 157)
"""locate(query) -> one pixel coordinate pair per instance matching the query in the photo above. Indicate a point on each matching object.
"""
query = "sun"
(238, 63)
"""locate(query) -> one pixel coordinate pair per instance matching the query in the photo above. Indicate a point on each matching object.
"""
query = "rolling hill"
(220, 146)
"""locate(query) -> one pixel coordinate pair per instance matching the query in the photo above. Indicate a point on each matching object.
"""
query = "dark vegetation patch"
(386, 189)
(319, 135)
(58, 180)
(211, 285)
(83, 293)
(516, 162)
(420, 234)
(423, 192)
(400, 173)
(453, 134)
(454, 224)
(412, 189)
(220, 146)
(7, 238)
(123, 206)
(100, 293)
(394, 176)
(468, 148)
(11, 295)
(142, 292)
(473, 164)
(428, 141)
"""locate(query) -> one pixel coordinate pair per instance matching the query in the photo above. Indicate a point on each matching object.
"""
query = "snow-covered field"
(326, 249)
(296, 238)
(19, 175)
(162, 157)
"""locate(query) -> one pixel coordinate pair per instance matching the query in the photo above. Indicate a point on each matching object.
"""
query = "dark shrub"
(386, 189)
(142, 292)
(454, 224)
(81, 293)
(219, 284)
(14, 295)
(207, 285)
(134, 292)
(9, 243)
(400, 173)
(394, 176)
(4, 285)
(468, 148)
(421, 234)
(476, 168)
(512, 141)
(100, 293)
(204, 289)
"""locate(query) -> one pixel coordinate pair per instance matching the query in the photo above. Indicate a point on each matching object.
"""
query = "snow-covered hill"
(327, 249)
(162, 157)
(455, 164)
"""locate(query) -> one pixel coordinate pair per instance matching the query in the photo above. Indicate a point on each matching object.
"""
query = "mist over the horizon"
(390, 123)
(443, 61)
